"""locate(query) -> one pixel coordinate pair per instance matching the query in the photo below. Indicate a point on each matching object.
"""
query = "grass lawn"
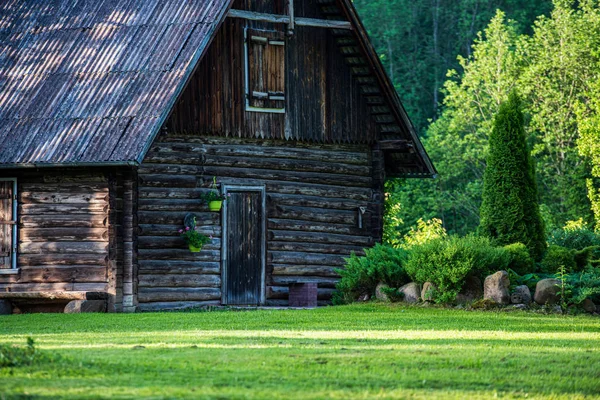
(359, 351)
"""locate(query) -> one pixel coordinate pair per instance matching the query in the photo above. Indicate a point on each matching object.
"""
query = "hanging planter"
(194, 239)
(213, 197)
(215, 205)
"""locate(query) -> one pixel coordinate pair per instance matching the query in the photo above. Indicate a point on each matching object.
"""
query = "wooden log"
(157, 294)
(343, 250)
(63, 234)
(173, 230)
(285, 280)
(41, 259)
(62, 209)
(309, 226)
(80, 187)
(259, 162)
(172, 193)
(279, 175)
(169, 242)
(63, 197)
(318, 237)
(305, 270)
(163, 154)
(179, 281)
(165, 180)
(346, 217)
(74, 177)
(176, 218)
(66, 221)
(177, 168)
(62, 286)
(315, 201)
(63, 247)
(52, 295)
(284, 19)
(173, 205)
(301, 258)
(179, 254)
(282, 292)
(176, 305)
(170, 267)
(50, 274)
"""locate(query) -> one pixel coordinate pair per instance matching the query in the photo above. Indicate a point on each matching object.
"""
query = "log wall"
(63, 232)
(313, 195)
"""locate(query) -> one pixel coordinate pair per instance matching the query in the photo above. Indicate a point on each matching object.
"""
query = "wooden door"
(244, 247)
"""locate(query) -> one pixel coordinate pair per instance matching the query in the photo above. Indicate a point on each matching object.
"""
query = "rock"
(428, 291)
(547, 291)
(495, 287)
(471, 291)
(589, 306)
(484, 304)
(6, 307)
(557, 309)
(411, 292)
(380, 294)
(85, 306)
(521, 295)
(363, 297)
(520, 306)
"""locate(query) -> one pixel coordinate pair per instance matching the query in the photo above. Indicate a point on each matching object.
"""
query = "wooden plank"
(173, 230)
(176, 305)
(318, 247)
(302, 258)
(147, 295)
(179, 281)
(176, 267)
(26, 260)
(179, 254)
(314, 201)
(64, 209)
(309, 226)
(176, 218)
(63, 234)
(70, 220)
(305, 270)
(169, 242)
(284, 280)
(63, 247)
(6, 230)
(62, 197)
(45, 287)
(50, 274)
(284, 19)
(346, 217)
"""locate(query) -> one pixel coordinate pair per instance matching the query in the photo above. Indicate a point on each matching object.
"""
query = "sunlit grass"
(361, 351)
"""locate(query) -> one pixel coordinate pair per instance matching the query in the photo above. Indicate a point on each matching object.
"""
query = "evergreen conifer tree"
(510, 211)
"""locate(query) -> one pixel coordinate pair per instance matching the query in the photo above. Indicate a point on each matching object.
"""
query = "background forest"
(454, 62)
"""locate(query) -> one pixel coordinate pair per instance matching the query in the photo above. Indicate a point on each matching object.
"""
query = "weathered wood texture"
(324, 101)
(313, 192)
(63, 235)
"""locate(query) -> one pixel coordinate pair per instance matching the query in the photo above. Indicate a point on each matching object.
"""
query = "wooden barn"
(116, 116)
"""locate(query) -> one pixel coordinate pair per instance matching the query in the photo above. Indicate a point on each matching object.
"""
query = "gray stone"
(495, 287)
(411, 291)
(547, 291)
(471, 291)
(557, 309)
(519, 306)
(85, 306)
(428, 291)
(363, 297)
(6, 307)
(589, 306)
(521, 295)
(380, 294)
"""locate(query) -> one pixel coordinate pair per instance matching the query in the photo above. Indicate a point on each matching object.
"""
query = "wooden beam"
(285, 19)
(394, 144)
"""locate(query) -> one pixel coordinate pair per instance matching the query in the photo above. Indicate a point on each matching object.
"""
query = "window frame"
(13, 269)
(249, 107)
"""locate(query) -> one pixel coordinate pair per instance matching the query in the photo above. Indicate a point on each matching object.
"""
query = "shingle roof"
(90, 81)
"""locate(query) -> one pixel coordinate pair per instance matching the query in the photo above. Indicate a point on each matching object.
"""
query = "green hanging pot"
(194, 249)
(215, 205)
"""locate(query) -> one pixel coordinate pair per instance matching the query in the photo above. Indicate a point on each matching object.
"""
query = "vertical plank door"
(6, 224)
(244, 248)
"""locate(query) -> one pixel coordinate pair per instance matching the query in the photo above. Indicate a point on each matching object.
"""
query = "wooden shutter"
(266, 69)
(7, 224)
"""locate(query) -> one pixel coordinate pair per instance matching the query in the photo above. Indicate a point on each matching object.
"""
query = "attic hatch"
(264, 66)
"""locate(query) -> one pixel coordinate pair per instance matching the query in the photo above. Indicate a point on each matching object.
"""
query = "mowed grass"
(350, 352)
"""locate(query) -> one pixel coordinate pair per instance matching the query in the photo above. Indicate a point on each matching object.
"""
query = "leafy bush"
(18, 356)
(448, 261)
(583, 285)
(424, 232)
(362, 274)
(556, 257)
(575, 237)
(520, 260)
(530, 280)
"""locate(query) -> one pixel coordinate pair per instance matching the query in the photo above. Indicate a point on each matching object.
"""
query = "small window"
(8, 224)
(265, 71)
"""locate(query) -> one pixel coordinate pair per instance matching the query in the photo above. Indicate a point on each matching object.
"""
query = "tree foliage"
(510, 211)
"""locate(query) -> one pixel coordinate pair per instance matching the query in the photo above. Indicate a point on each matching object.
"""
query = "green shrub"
(509, 210)
(530, 280)
(18, 356)
(583, 285)
(362, 274)
(424, 232)
(448, 261)
(576, 238)
(520, 260)
(557, 256)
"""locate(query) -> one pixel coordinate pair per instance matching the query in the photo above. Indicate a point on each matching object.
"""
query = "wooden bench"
(303, 294)
(56, 301)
